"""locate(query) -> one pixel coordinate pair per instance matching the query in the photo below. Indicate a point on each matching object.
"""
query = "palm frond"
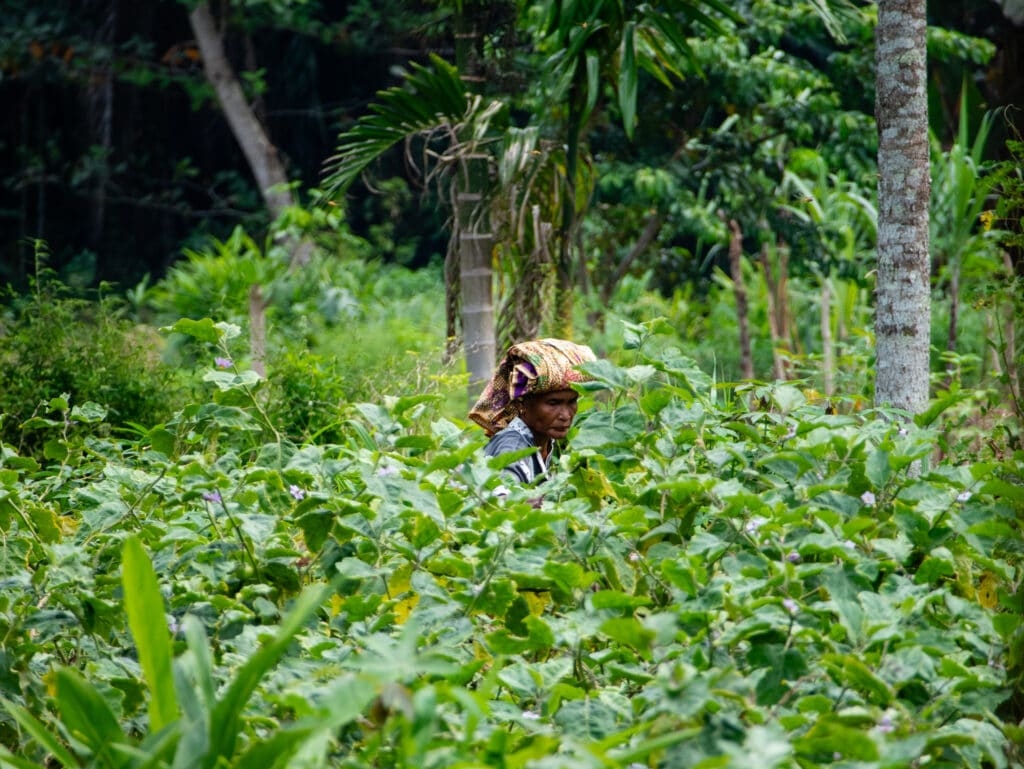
(432, 98)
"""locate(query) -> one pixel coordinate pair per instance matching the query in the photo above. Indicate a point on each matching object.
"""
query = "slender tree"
(903, 302)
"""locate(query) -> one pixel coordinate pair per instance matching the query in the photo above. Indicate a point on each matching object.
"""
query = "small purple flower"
(754, 524)
(386, 470)
(790, 605)
(963, 496)
(222, 362)
(902, 432)
(886, 725)
(212, 496)
(296, 492)
(836, 755)
(635, 557)
(793, 556)
(850, 544)
(868, 498)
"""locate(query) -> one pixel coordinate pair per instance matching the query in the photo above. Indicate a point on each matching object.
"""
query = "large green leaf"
(38, 732)
(89, 719)
(225, 719)
(145, 609)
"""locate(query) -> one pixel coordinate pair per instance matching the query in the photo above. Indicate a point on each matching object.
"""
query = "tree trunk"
(99, 95)
(258, 330)
(647, 237)
(564, 267)
(474, 242)
(739, 289)
(249, 132)
(778, 364)
(827, 353)
(903, 301)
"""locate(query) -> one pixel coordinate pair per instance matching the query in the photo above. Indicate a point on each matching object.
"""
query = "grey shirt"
(513, 438)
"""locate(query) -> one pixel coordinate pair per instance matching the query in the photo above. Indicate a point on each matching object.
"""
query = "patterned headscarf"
(528, 368)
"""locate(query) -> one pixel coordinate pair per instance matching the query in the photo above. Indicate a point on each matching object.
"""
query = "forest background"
(258, 389)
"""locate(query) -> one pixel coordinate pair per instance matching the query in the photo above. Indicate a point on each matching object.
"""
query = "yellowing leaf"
(337, 602)
(50, 680)
(403, 608)
(987, 594)
(537, 601)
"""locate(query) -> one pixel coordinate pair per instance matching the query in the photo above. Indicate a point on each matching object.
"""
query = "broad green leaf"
(628, 631)
(39, 733)
(628, 79)
(203, 330)
(144, 606)
(88, 718)
(225, 721)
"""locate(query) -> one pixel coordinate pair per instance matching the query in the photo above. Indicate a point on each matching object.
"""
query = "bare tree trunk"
(778, 365)
(903, 304)
(647, 237)
(564, 282)
(827, 353)
(259, 151)
(100, 109)
(258, 329)
(739, 290)
(1009, 346)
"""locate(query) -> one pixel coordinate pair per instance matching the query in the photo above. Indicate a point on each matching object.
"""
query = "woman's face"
(549, 415)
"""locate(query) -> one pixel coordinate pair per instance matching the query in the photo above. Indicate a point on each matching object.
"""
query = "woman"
(529, 402)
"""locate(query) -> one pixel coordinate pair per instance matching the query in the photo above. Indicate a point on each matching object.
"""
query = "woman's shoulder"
(512, 438)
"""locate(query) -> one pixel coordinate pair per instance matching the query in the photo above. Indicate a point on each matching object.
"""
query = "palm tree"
(457, 128)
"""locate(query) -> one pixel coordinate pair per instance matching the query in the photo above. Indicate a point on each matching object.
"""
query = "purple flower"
(850, 544)
(222, 362)
(963, 496)
(790, 605)
(296, 492)
(793, 556)
(868, 498)
(754, 524)
(886, 725)
(211, 496)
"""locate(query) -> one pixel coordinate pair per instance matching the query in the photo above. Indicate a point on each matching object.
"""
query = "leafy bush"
(53, 346)
(762, 585)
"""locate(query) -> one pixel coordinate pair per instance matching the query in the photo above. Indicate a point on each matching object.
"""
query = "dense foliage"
(756, 583)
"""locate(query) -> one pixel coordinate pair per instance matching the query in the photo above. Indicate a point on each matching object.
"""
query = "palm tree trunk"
(474, 240)
(903, 293)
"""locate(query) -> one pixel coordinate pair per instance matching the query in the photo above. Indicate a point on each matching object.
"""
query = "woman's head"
(549, 415)
(529, 370)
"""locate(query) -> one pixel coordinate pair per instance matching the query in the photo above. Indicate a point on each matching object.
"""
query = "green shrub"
(54, 345)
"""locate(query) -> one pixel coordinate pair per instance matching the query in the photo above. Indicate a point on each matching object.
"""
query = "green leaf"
(615, 599)
(228, 380)
(829, 737)
(225, 720)
(144, 606)
(628, 631)
(203, 330)
(850, 671)
(89, 412)
(628, 79)
(88, 718)
(39, 733)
